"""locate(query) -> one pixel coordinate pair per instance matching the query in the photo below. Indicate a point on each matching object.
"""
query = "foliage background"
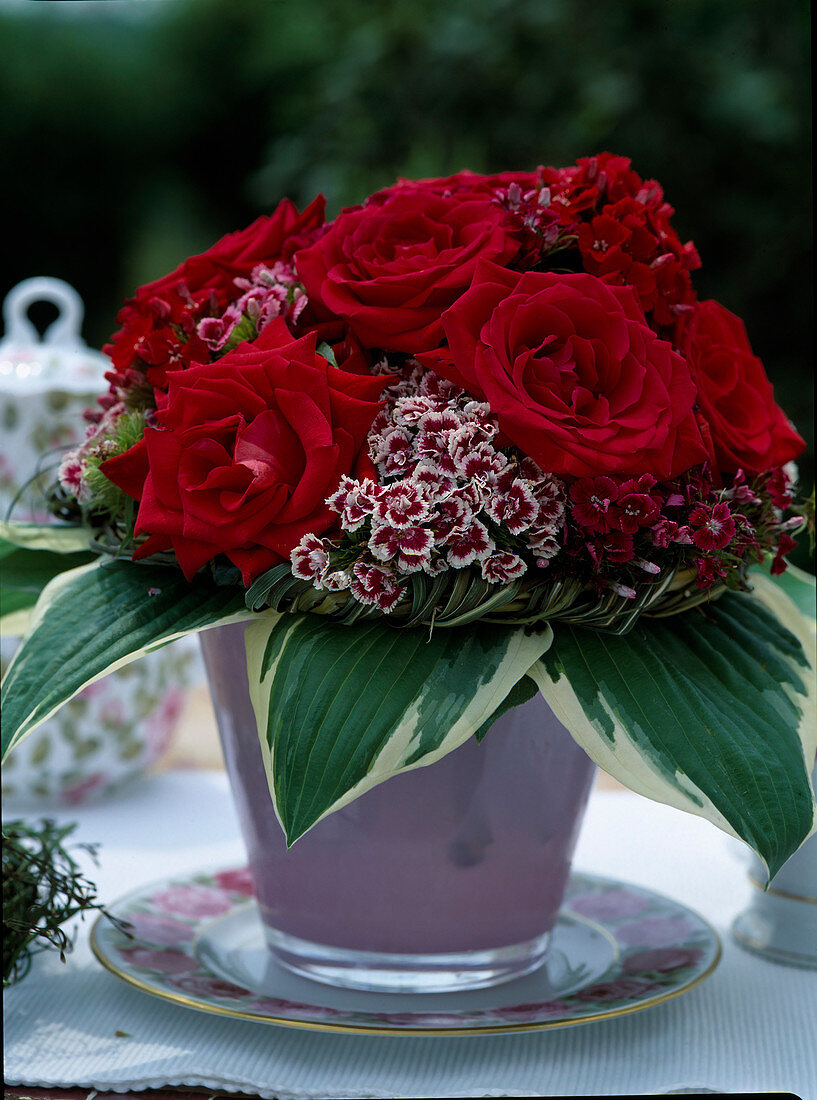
(134, 132)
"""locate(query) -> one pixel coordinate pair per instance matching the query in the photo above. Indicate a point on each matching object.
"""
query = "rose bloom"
(749, 431)
(390, 268)
(245, 452)
(577, 379)
(151, 318)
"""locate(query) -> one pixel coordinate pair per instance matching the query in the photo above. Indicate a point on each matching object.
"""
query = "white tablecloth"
(751, 1026)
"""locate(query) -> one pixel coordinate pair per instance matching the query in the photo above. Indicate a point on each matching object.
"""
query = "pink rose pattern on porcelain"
(152, 928)
(659, 953)
(164, 962)
(192, 901)
(238, 881)
(614, 904)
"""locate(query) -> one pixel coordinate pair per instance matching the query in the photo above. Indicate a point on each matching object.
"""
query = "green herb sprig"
(43, 888)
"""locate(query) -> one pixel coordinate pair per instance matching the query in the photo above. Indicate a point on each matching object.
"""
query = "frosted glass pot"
(448, 877)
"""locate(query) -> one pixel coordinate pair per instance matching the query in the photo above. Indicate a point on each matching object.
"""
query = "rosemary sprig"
(43, 887)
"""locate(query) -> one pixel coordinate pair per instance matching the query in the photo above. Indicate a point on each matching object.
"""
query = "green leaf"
(95, 619)
(246, 329)
(59, 538)
(711, 711)
(326, 351)
(341, 709)
(25, 573)
(798, 585)
(520, 693)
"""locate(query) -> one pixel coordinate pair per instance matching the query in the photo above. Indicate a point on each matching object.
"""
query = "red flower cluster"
(160, 325)
(556, 396)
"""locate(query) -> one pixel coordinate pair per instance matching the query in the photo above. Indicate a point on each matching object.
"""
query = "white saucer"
(198, 941)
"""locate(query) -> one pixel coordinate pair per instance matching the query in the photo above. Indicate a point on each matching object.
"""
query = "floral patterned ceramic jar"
(45, 386)
(118, 727)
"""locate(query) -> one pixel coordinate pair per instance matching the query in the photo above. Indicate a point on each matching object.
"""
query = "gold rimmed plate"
(197, 941)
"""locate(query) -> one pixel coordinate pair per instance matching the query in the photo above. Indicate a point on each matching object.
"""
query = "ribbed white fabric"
(751, 1026)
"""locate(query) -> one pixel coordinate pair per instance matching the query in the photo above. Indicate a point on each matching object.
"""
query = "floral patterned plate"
(197, 941)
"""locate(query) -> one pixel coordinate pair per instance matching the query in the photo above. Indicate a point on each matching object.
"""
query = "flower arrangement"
(475, 437)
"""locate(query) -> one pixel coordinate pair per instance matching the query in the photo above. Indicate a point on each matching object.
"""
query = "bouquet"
(473, 438)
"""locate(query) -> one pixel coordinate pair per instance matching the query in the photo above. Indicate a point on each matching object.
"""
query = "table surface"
(747, 1027)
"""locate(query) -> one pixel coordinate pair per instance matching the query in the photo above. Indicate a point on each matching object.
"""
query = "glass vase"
(447, 877)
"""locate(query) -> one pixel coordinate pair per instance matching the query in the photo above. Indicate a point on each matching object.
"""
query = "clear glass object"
(447, 877)
(780, 923)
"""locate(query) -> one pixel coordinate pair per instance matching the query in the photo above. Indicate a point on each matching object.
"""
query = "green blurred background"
(134, 132)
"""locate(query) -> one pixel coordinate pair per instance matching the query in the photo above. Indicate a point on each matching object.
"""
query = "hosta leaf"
(23, 575)
(341, 709)
(798, 585)
(520, 693)
(59, 538)
(711, 711)
(97, 618)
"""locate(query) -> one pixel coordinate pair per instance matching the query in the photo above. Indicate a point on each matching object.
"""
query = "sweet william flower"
(630, 243)
(469, 544)
(592, 181)
(591, 502)
(614, 547)
(785, 545)
(712, 526)
(410, 546)
(433, 482)
(334, 580)
(245, 452)
(374, 585)
(634, 510)
(514, 505)
(666, 531)
(452, 513)
(502, 567)
(309, 558)
(402, 505)
(710, 571)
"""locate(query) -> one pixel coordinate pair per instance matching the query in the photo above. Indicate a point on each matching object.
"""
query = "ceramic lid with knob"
(46, 384)
(60, 359)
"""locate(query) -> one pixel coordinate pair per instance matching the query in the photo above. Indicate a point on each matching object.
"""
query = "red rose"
(391, 268)
(578, 380)
(749, 430)
(245, 452)
(152, 319)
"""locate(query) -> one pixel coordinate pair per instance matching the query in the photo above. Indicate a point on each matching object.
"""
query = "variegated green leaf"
(90, 621)
(24, 574)
(58, 538)
(341, 709)
(798, 585)
(711, 711)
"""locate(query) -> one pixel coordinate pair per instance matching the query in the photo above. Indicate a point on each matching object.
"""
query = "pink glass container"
(447, 877)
